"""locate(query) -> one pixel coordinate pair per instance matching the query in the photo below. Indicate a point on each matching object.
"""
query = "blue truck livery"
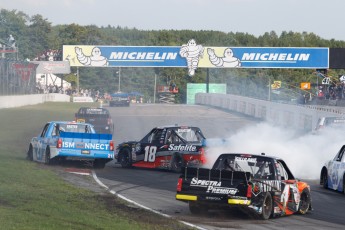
(65, 140)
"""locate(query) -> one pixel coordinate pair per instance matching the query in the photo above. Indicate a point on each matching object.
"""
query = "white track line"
(140, 205)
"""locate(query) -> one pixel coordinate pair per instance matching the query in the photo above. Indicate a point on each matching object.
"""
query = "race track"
(156, 188)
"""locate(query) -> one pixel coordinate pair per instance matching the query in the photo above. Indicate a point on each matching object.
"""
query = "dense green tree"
(35, 35)
(15, 23)
(39, 35)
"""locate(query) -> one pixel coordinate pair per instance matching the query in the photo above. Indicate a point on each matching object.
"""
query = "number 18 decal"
(150, 153)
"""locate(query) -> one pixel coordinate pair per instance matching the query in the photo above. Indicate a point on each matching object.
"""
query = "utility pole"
(154, 90)
(119, 72)
(269, 88)
(208, 81)
(78, 80)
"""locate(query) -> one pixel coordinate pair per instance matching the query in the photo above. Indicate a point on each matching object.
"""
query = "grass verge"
(35, 197)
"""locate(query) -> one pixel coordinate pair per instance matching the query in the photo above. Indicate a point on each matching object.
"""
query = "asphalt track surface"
(155, 189)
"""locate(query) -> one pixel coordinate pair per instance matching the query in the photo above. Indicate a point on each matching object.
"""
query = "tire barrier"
(167, 98)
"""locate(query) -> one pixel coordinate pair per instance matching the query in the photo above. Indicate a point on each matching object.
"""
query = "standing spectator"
(12, 42)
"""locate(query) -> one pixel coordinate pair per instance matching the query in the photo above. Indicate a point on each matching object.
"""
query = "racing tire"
(177, 163)
(125, 158)
(197, 209)
(305, 202)
(30, 156)
(267, 206)
(47, 159)
(325, 179)
(99, 164)
(344, 184)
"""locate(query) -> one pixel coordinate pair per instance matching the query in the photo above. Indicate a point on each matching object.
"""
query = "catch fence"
(17, 77)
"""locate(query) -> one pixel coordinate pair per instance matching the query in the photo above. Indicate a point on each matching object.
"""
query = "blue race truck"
(65, 140)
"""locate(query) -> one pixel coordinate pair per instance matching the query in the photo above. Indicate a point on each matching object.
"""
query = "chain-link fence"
(17, 77)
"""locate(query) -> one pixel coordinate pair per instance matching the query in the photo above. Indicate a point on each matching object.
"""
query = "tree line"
(35, 35)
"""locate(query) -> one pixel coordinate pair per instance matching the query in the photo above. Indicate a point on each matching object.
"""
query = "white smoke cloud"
(305, 155)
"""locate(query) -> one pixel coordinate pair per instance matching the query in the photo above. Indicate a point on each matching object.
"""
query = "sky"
(321, 17)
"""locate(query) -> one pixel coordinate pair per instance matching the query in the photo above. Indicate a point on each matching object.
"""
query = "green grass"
(32, 197)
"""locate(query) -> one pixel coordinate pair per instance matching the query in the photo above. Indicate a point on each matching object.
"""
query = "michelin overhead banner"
(193, 56)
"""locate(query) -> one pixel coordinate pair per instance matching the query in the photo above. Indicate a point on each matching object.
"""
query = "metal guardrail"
(328, 109)
(300, 117)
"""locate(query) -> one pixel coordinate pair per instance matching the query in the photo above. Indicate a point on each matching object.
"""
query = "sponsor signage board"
(55, 67)
(196, 57)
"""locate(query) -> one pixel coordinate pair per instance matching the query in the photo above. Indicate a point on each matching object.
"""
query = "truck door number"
(150, 153)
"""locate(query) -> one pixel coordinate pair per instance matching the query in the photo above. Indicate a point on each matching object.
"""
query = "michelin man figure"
(228, 60)
(192, 52)
(95, 59)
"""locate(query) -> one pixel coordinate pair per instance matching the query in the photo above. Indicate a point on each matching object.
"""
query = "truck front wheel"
(305, 201)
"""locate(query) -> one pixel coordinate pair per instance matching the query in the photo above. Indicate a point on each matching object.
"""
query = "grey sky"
(324, 18)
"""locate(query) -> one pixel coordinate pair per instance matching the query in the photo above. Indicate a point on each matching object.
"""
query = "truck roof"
(251, 155)
(175, 126)
(92, 110)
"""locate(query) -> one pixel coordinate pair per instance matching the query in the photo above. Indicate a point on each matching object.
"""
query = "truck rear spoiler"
(215, 174)
(95, 136)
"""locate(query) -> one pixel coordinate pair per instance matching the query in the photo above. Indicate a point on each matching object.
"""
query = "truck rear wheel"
(197, 209)
(47, 160)
(125, 158)
(267, 206)
(99, 164)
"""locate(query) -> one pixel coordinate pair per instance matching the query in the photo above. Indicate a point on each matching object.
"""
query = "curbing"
(139, 205)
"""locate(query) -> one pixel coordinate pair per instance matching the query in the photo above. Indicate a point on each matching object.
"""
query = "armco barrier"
(31, 99)
(301, 117)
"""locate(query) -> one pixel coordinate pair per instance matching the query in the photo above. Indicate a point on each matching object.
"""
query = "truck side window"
(340, 156)
(229, 164)
(44, 130)
(169, 137)
(283, 174)
(55, 131)
(155, 136)
(264, 170)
